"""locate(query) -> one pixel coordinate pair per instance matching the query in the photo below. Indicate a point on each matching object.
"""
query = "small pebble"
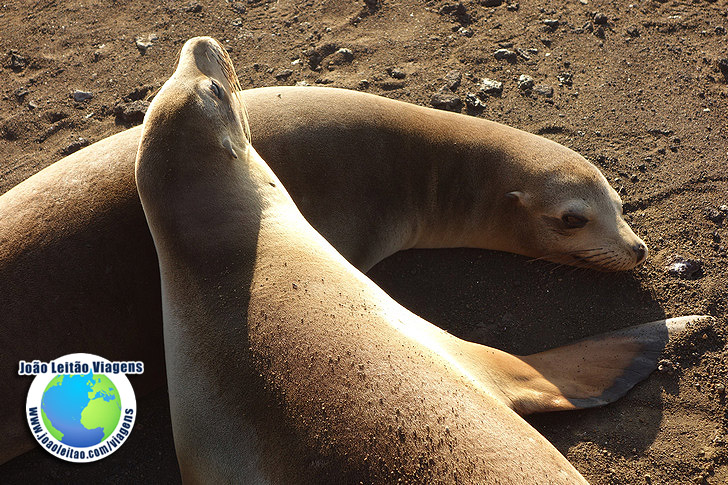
(715, 215)
(684, 268)
(552, 24)
(525, 82)
(453, 79)
(633, 31)
(544, 90)
(283, 74)
(447, 100)
(396, 73)
(723, 66)
(474, 102)
(513, 7)
(565, 78)
(79, 95)
(193, 7)
(600, 18)
(505, 54)
(490, 86)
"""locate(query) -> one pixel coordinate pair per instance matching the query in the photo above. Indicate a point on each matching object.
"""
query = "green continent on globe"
(81, 410)
(104, 409)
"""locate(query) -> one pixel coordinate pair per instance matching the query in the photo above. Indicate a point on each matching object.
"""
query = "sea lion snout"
(640, 251)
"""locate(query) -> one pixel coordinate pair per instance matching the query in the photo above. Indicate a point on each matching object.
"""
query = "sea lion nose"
(640, 251)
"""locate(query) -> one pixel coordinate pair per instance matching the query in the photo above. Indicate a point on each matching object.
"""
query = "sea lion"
(286, 364)
(78, 270)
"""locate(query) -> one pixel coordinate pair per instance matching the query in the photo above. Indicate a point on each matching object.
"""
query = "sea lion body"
(286, 364)
(78, 270)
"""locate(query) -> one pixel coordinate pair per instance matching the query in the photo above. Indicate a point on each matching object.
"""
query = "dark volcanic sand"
(646, 103)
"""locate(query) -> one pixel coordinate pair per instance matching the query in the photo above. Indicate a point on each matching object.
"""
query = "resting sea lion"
(286, 364)
(78, 271)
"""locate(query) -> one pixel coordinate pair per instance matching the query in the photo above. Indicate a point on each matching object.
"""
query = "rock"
(473, 102)
(143, 45)
(283, 74)
(238, 7)
(552, 24)
(453, 79)
(544, 90)
(666, 365)
(684, 268)
(525, 82)
(364, 84)
(720, 30)
(723, 66)
(465, 32)
(193, 7)
(16, 62)
(396, 73)
(490, 86)
(341, 56)
(302, 83)
(505, 54)
(491, 3)
(80, 96)
(21, 93)
(599, 32)
(316, 55)
(75, 146)
(600, 19)
(565, 78)
(524, 54)
(132, 112)
(513, 7)
(633, 31)
(715, 215)
(447, 100)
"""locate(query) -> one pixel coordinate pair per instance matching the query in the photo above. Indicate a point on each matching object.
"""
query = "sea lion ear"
(229, 147)
(519, 197)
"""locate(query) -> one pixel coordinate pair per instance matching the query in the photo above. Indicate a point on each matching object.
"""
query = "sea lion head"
(568, 213)
(201, 104)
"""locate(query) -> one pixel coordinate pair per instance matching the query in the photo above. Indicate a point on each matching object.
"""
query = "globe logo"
(80, 407)
(81, 410)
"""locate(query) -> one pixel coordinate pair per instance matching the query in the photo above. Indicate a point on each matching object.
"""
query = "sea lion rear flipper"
(588, 373)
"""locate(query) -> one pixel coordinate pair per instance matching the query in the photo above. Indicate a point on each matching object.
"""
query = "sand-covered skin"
(650, 112)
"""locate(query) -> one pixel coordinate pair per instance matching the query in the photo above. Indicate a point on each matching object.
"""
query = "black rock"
(685, 268)
(552, 24)
(565, 78)
(447, 100)
(75, 146)
(193, 7)
(491, 3)
(525, 82)
(453, 79)
(723, 66)
(544, 90)
(473, 102)
(81, 95)
(490, 86)
(505, 54)
(600, 18)
(715, 215)
(396, 73)
(283, 74)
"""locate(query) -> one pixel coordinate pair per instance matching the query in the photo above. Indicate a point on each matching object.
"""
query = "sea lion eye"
(574, 221)
(215, 88)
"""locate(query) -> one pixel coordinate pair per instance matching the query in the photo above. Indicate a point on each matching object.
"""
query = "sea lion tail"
(588, 373)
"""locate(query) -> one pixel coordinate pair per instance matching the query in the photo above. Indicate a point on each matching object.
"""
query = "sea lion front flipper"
(588, 373)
